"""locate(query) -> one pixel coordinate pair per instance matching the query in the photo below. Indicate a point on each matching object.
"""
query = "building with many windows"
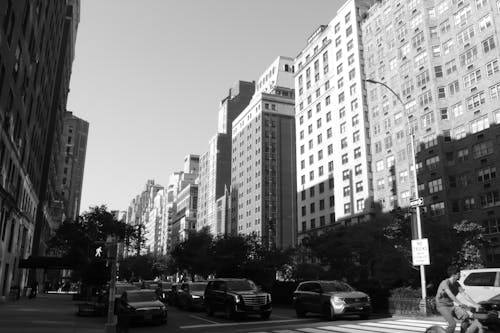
(332, 127)
(442, 58)
(215, 164)
(36, 54)
(263, 159)
(72, 163)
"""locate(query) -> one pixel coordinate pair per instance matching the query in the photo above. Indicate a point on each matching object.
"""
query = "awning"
(47, 262)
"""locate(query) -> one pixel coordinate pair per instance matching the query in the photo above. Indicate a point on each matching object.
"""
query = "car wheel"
(328, 312)
(265, 315)
(299, 310)
(229, 311)
(209, 310)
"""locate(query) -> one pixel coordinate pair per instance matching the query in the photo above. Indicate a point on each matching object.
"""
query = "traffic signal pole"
(110, 326)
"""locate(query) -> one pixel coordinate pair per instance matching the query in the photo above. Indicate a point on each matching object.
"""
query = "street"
(57, 313)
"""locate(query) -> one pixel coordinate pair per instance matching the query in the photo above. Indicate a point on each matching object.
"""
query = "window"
(418, 40)
(450, 67)
(347, 208)
(472, 78)
(481, 3)
(420, 60)
(468, 56)
(380, 184)
(445, 26)
(347, 191)
(485, 23)
(480, 124)
(433, 32)
(486, 174)
(462, 15)
(492, 67)
(423, 78)
(464, 36)
(453, 87)
(358, 170)
(457, 110)
(436, 51)
(432, 162)
(427, 119)
(416, 21)
(482, 149)
(438, 71)
(447, 46)
(444, 113)
(345, 159)
(475, 100)
(489, 199)
(441, 92)
(403, 176)
(460, 132)
(436, 209)
(425, 98)
(435, 185)
(379, 165)
(483, 279)
(488, 44)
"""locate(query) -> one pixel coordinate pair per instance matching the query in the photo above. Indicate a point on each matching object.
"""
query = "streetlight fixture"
(423, 306)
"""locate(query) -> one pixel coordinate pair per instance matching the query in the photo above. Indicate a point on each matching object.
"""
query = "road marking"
(245, 323)
(201, 318)
(380, 326)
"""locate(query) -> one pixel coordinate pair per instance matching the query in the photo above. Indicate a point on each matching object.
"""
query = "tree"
(194, 254)
(471, 236)
(78, 240)
(230, 253)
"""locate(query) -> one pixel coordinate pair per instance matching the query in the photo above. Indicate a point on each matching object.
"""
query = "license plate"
(359, 308)
(148, 317)
(256, 307)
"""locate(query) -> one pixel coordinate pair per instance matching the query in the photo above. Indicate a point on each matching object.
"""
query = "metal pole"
(423, 284)
(110, 325)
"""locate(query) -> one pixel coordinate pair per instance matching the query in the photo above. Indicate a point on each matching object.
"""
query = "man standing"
(446, 297)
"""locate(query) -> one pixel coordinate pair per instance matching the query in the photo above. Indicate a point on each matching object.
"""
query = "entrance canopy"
(47, 262)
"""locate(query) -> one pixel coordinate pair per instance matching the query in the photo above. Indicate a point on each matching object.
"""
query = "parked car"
(191, 295)
(142, 306)
(331, 298)
(236, 296)
(121, 287)
(491, 309)
(480, 284)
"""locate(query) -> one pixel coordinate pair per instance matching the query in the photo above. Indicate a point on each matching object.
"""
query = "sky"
(149, 76)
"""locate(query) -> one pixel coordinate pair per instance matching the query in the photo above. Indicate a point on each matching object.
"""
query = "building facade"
(442, 59)
(72, 163)
(263, 159)
(332, 125)
(36, 54)
(215, 164)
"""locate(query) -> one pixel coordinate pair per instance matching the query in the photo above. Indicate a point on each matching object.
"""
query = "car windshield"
(120, 289)
(143, 296)
(495, 298)
(336, 286)
(198, 286)
(241, 285)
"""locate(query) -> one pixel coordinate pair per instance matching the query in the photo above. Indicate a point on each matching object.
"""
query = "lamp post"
(423, 306)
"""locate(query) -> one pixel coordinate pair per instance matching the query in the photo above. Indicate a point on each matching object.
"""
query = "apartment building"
(72, 163)
(215, 164)
(332, 125)
(442, 58)
(263, 160)
(36, 54)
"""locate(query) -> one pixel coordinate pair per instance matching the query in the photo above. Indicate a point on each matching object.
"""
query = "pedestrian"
(446, 297)
(123, 320)
(34, 289)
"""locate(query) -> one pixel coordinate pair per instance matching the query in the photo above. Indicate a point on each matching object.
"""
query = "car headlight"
(195, 296)
(237, 298)
(368, 298)
(269, 300)
(338, 300)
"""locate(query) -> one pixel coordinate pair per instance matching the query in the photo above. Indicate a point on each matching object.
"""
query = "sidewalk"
(50, 313)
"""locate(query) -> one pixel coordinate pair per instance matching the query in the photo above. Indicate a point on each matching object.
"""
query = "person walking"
(446, 299)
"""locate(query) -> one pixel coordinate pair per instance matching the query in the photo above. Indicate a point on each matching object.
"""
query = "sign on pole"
(420, 252)
(416, 202)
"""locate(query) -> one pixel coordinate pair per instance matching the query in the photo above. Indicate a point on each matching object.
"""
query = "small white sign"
(417, 202)
(420, 252)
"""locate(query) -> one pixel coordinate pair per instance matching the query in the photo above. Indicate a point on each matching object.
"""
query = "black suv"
(236, 296)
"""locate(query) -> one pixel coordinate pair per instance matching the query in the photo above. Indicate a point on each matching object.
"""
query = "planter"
(404, 306)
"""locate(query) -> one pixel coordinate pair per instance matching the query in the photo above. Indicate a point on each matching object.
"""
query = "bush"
(406, 301)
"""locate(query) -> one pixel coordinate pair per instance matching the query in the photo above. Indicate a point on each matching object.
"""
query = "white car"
(480, 284)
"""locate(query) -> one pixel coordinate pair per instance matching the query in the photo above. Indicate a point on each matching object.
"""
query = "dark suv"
(331, 298)
(236, 296)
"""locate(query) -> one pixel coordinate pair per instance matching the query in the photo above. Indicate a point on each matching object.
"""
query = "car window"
(316, 288)
(142, 297)
(305, 287)
(239, 285)
(336, 286)
(486, 279)
(198, 286)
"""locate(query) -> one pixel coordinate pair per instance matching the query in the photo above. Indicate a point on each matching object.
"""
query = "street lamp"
(413, 159)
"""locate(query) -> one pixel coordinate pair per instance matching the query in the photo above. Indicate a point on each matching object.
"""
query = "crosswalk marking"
(379, 326)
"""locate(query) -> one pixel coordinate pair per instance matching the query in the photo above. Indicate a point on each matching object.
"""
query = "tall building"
(215, 164)
(442, 59)
(36, 54)
(72, 163)
(332, 127)
(263, 160)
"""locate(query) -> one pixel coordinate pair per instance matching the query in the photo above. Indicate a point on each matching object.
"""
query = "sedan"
(490, 312)
(142, 306)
